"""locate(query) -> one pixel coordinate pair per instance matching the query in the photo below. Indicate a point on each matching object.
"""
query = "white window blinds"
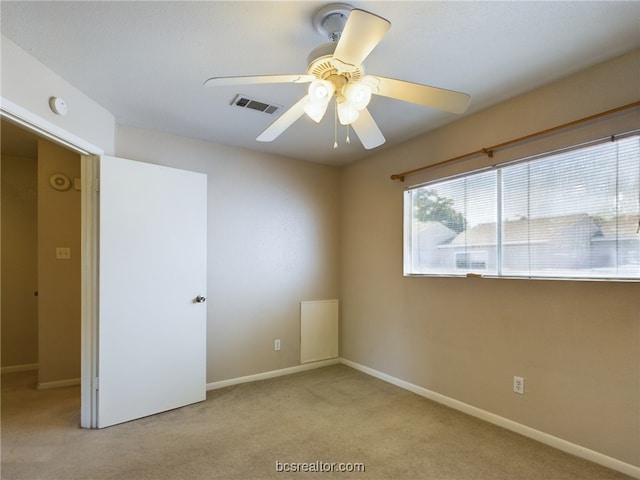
(574, 214)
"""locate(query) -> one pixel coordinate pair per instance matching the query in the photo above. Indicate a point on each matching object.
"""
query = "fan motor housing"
(320, 63)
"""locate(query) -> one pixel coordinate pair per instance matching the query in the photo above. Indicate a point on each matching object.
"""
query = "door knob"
(201, 299)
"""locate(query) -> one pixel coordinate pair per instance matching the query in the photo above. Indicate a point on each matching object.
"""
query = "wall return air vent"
(244, 101)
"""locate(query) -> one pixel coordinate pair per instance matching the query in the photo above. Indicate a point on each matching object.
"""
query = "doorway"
(91, 183)
(41, 258)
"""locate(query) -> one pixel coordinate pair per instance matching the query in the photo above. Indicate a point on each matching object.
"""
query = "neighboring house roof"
(624, 227)
(522, 230)
(428, 235)
(434, 230)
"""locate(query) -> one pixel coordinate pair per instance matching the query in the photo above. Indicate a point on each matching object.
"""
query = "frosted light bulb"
(358, 94)
(347, 112)
(320, 91)
(315, 110)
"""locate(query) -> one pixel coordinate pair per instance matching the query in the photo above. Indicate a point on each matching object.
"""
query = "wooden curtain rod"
(489, 151)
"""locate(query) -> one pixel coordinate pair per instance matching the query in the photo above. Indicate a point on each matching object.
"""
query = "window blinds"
(573, 214)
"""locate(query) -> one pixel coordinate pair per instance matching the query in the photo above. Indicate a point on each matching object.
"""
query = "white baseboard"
(272, 374)
(19, 368)
(529, 432)
(70, 382)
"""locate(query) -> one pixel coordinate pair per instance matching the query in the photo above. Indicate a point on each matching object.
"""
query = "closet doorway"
(41, 261)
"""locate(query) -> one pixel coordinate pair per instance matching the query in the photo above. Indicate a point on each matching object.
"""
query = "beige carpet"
(334, 415)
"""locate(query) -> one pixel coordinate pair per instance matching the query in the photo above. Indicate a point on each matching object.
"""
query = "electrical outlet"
(276, 344)
(63, 253)
(518, 385)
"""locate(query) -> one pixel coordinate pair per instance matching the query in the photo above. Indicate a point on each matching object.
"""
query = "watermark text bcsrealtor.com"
(319, 466)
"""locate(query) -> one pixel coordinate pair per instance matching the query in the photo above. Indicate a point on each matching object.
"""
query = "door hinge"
(96, 383)
(97, 184)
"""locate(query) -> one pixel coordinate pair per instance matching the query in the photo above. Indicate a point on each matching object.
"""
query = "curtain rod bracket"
(488, 153)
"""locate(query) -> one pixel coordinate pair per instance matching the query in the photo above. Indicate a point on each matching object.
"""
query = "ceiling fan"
(335, 70)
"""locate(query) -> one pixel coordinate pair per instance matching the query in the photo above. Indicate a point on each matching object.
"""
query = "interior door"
(152, 271)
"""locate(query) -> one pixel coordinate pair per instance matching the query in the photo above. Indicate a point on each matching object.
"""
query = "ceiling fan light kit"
(335, 70)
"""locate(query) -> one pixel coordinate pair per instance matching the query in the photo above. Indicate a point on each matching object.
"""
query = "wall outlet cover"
(518, 385)
(63, 253)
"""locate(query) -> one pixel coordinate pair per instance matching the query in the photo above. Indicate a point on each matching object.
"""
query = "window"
(574, 214)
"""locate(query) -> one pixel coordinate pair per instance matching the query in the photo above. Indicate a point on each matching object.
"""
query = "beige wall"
(19, 261)
(576, 343)
(58, 280)
(272, 243)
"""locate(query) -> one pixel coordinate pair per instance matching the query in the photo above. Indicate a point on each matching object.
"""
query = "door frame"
(90, 166)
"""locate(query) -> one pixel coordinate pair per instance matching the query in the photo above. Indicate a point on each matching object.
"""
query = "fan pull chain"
(335, 125)
(348, 140)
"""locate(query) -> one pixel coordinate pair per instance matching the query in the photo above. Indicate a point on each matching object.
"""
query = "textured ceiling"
(146, 62)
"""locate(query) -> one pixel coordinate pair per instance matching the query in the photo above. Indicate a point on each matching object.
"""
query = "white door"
(152, 269)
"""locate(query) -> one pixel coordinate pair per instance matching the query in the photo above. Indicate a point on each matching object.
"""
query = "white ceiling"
(146, 62)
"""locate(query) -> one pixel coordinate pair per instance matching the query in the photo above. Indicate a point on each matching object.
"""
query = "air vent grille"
(243, 101)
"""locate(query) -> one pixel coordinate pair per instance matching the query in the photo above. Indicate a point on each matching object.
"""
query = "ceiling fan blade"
(254, 79)
(367, 130)
(433, 97)
(362, 32)
(284, 121)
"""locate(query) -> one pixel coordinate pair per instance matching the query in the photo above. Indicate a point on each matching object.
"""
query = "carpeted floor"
(333, 415)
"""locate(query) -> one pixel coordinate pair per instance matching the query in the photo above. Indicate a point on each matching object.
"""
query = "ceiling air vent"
(243, 101)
